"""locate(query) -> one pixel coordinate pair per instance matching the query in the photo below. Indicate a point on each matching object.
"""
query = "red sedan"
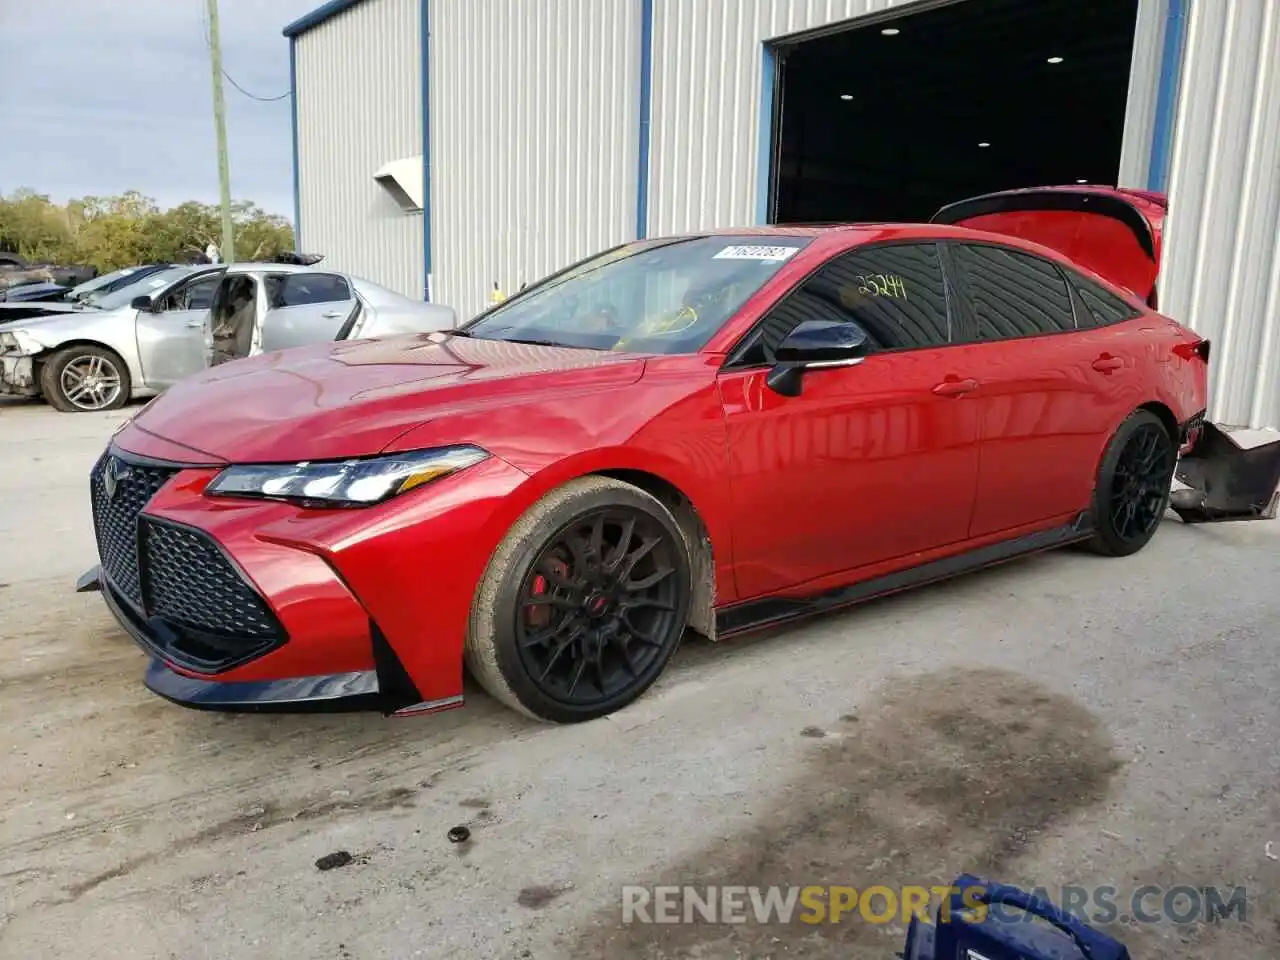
(715, 432)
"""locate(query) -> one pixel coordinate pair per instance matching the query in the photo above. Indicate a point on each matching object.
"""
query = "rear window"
(1104, 307)
(1014, 294)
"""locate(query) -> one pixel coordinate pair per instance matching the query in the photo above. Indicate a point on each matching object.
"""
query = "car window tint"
(1014, 294)
(299, 289)
(199, 295)
(1104, 307)
(895, 294)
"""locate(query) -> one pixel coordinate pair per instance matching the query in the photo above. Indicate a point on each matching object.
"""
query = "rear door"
(874, 461)
(1051, 395)
(305, 308)
(171, 338)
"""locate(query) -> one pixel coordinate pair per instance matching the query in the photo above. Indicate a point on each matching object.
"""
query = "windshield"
(149, 285)
(654, 296)
(98, 282)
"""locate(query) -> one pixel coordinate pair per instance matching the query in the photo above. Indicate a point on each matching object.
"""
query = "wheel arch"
(1165, 414)
(40, 359)
(702, 616)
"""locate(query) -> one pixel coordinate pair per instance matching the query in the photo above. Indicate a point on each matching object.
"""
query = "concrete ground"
(1060, 720)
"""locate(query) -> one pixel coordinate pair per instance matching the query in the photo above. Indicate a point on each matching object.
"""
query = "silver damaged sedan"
(138, 340)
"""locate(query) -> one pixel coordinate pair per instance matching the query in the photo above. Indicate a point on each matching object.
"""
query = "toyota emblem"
(111, 476)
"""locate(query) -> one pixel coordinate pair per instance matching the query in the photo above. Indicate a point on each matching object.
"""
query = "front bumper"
(362, 609)
(17, 376)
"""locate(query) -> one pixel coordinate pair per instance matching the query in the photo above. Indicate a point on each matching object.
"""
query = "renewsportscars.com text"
(818, 904)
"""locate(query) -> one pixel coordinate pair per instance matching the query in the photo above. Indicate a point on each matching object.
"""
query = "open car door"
(1113, 232)
(305, 308)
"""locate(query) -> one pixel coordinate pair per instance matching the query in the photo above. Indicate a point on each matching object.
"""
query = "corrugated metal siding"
(534, 130)
(1144, 83)
(706, 95)
(360, 105)
(1221, 269)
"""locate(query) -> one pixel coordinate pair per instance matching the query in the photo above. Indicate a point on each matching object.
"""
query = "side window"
(196, 295)
(895, 294)
(1013, 294)
(299, 289)
(1104, 307)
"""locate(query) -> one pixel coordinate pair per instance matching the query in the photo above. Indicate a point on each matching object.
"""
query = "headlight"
(20, 342)
(344, 483)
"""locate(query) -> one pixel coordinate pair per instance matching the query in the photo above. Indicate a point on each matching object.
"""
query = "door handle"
(1106, 363)
(333, 315)
(194, 324)
(955, 388)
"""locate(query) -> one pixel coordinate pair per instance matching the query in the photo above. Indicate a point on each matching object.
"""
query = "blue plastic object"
(1006, 934)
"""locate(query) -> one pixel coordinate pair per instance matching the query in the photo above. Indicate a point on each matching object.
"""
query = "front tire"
(1133, 486)
(85, 379)
(583, 603)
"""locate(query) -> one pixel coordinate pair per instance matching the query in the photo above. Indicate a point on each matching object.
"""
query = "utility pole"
(220, 128)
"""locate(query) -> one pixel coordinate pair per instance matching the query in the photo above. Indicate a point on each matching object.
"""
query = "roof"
(322, 13)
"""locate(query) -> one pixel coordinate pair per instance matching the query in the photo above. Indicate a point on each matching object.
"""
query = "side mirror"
(815, 343)
(142, 303)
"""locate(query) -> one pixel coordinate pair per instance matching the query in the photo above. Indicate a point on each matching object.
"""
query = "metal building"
(443, 147)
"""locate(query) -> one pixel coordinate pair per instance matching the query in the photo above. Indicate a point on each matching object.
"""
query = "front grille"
(188, 583)
(117, 501)
(186, 601)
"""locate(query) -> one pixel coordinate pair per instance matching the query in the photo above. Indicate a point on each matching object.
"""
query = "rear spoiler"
(293, 258)
(1078, 201)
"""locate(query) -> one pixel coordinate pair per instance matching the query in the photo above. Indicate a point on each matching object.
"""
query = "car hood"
(50, 319)
(337, 400)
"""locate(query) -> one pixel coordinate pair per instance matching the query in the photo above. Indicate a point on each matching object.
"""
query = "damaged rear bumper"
(17, 376)
(1226, 481)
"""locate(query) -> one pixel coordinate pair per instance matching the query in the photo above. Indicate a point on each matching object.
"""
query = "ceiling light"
(984, 144)
(1082, 181)
(891, 31)
(1055, 59)
(846, 96)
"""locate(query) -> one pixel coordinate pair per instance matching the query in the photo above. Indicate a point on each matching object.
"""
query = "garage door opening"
(893, 120)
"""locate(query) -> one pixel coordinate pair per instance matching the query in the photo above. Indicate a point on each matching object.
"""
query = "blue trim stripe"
(764, 142)
(1175, 31)
(646, 111)
(297, 171)
(318, 16)
(426, 149)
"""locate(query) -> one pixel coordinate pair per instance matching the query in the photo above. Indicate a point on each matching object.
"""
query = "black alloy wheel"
(1134, 485)
(1141, 482)
(583, 603)
(599, 606)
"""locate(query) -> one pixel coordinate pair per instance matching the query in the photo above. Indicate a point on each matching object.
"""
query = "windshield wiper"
(535, 343)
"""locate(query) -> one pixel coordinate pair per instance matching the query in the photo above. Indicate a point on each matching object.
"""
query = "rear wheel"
(583, 603)
(1133, 485)
(85, 378)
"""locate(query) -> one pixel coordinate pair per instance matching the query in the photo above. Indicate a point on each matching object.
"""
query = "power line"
(254, 96)
(208, 41)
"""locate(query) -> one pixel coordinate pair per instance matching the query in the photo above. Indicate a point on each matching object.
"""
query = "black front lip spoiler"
(381, 689)
(1225, 481)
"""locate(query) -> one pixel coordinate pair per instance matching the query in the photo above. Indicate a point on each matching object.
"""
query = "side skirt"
(770, 611)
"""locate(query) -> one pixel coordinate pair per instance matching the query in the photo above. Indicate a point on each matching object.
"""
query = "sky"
(103, 96)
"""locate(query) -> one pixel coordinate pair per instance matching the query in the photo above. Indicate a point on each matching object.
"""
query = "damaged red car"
(719, 432)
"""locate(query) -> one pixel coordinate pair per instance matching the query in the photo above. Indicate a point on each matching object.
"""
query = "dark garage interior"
(894, 119)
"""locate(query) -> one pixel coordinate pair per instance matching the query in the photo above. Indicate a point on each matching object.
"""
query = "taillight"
(1188, 351)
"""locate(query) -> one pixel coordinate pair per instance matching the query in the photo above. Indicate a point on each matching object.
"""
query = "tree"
(120, 231)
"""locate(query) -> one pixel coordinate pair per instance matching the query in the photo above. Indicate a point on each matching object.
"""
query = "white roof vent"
(403, 180)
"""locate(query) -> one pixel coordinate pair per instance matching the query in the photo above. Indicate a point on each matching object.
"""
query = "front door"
(305, 308)
(871, 462)
(171, 339)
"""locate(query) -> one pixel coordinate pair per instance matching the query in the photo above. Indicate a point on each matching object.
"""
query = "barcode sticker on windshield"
(772, 254)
